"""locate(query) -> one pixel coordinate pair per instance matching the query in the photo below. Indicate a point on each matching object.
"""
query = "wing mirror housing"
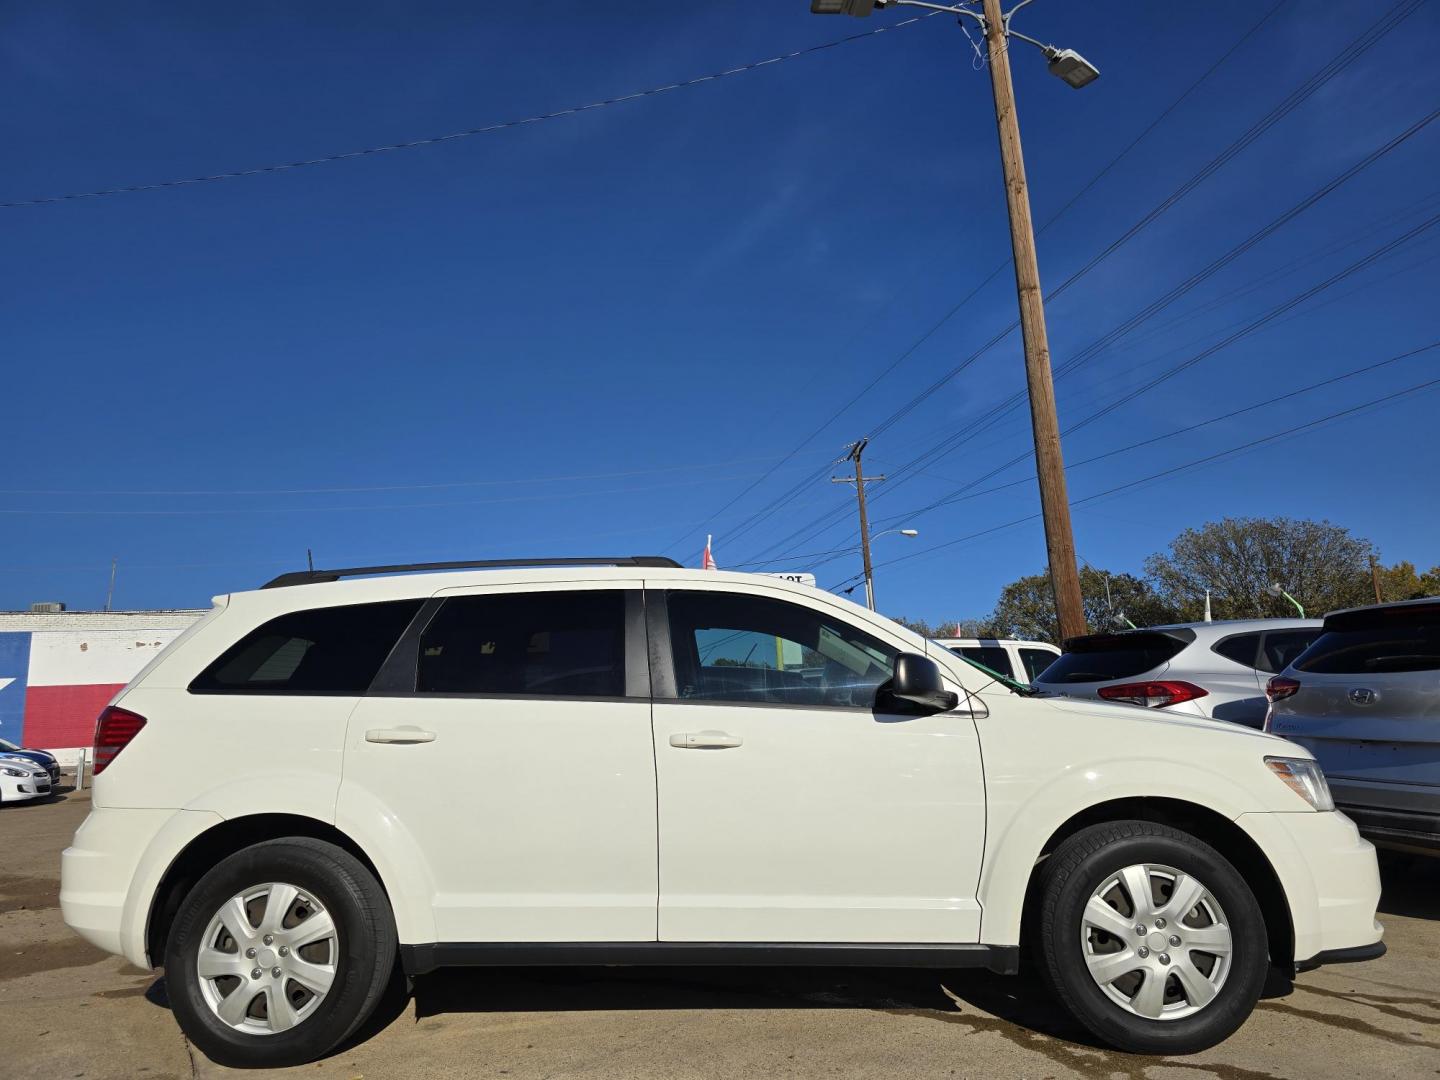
(917, 680)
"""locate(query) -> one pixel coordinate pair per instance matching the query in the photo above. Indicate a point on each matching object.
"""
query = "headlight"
(1303, 776)
(6, 770)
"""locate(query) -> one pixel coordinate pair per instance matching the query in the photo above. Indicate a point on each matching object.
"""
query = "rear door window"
(994, 657)
(1036, 661)
(1103, 657)
(1281, 647)
(333, 650)
(537, 644)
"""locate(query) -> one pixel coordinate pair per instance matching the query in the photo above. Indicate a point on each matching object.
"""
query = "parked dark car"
(1365, 700)
(39, 757)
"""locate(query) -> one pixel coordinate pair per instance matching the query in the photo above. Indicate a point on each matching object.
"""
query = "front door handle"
(704, 740)
(400, 736)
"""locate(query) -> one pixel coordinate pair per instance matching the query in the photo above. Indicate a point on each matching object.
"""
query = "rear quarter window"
(1117, 656)
(334, 650)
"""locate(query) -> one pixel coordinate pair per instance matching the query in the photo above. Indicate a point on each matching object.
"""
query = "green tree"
(1402, 582)
(950, 628)
(1026, 608)
(1322, 565)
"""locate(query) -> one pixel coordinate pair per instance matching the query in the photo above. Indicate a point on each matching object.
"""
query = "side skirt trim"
(423, 959)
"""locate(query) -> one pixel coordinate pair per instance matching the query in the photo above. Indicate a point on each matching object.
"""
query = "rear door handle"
(399, 735)
(704, 740)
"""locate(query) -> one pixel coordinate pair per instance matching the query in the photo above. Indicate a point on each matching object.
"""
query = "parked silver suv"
(1214, 669)
(1365, 699)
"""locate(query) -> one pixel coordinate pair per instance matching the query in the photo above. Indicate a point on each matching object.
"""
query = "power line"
(936, 327)
(232, 511)
(488, 129)
(386, 487)
(965, 493)
(1015, 400)
(1231, 451)
(1249, 328)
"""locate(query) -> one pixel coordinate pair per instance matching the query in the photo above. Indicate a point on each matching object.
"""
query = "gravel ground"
(70, 1010)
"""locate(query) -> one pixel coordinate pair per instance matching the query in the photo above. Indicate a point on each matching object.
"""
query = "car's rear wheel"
(1151, 937)
(279, 953)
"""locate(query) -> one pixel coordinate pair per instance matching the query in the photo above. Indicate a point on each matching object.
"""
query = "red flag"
(707, 561)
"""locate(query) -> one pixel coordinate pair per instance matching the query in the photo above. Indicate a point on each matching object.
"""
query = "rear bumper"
(1330, 878)
(1359, 954)
(110, 871)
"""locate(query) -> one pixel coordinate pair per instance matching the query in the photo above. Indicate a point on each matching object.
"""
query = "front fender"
(1026, 810)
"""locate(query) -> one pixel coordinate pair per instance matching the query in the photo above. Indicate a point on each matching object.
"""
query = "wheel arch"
(1203, 823)
(221, 841)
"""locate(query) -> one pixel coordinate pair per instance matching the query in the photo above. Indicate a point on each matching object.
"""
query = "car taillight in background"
(1153, 695)
(113, 732)
(1280, 687)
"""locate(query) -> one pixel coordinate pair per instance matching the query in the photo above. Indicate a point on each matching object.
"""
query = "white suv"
(619, 761)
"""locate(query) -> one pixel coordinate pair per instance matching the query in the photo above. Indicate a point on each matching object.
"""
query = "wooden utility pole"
(1375, 580)
(1049, 464)
(860, 481)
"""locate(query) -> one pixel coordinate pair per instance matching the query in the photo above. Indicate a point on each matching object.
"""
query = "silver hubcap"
(1156, 941)
(268, 958)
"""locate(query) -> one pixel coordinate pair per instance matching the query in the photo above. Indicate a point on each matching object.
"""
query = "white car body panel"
(538, 820)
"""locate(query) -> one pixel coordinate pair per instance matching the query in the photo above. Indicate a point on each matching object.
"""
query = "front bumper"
(1330, 878)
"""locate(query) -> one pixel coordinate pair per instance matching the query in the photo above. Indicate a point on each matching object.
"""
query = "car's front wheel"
(279, 953)
(1151, 937)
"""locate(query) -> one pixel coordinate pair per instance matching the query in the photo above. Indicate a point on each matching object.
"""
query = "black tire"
(366, 960)
(1079, 867)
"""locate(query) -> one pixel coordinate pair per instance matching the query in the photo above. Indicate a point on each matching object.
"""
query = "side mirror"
(917, 680)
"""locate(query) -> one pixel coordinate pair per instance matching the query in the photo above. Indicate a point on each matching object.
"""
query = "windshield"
(6, 745)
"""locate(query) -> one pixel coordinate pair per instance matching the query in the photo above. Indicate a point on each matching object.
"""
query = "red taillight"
(113, 732)
(1280, 687)
(1153, 695)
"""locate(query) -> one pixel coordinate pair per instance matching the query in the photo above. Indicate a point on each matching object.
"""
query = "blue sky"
(588, 335)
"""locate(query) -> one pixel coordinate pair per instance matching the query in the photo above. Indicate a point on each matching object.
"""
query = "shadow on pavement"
(1410, 885)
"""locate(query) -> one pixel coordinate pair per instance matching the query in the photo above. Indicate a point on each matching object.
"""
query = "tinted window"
(1401, 646)
(730, 647)
(1101, 658)
(1240, 648)
(1281, 647)
(334, 650)
(541, 644)
(993, 657)
(1036, 661)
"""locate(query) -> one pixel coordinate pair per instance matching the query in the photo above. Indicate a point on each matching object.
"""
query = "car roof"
(1418, 601)
(1236, 626)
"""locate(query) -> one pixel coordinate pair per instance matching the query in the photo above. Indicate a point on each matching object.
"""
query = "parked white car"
(631, 763)
(22, 780)
(1215, 669)
(1022, 661)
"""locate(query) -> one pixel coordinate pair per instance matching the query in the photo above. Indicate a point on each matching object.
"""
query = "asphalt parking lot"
(71, 1011)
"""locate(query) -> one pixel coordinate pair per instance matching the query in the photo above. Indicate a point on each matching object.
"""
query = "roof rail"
(311, 577)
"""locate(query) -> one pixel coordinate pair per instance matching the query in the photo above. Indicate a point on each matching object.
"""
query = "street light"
(1076, 71)
(869, 574)
(1275, 589)
(1065, 64)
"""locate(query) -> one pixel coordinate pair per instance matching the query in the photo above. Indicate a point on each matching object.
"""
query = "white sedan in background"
(22, 780)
